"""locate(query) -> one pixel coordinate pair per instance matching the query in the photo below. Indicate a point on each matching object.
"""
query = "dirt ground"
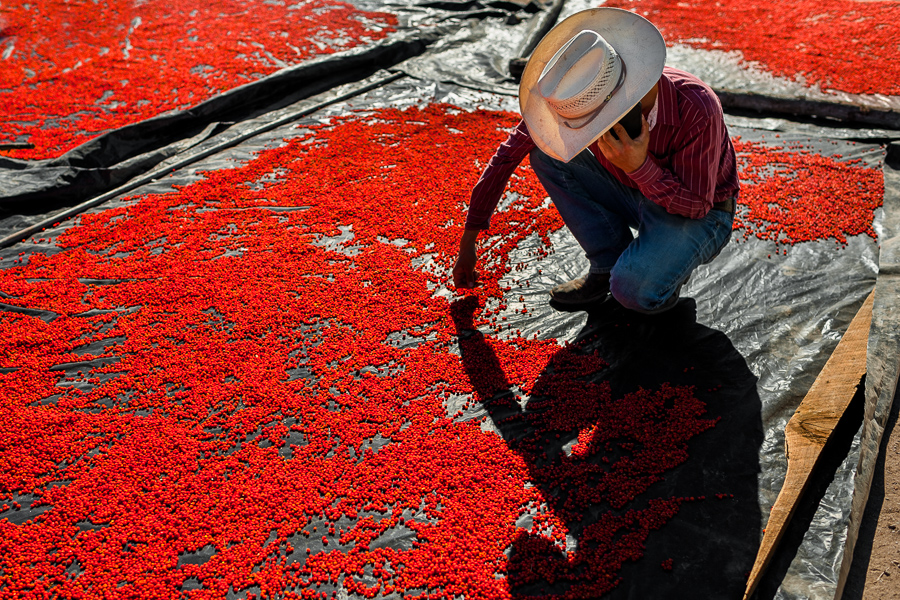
(875, 573)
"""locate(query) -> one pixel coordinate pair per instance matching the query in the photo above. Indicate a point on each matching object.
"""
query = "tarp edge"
(883, 358)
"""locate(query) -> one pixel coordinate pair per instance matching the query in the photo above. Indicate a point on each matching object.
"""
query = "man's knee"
(638, 292)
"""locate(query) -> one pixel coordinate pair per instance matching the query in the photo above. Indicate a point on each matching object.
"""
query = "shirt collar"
(666, 103)
(654, 114)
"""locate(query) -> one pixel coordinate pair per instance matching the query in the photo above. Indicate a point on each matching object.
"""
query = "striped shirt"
(690, 162)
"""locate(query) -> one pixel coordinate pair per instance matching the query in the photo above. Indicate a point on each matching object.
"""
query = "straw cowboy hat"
(585, 75)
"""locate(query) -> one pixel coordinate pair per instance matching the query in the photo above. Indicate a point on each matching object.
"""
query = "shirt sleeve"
(487, 192)
(688, 186)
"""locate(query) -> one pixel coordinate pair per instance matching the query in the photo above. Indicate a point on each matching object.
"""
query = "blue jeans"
(645, 271)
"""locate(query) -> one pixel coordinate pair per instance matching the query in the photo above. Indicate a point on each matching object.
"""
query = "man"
(676, 182)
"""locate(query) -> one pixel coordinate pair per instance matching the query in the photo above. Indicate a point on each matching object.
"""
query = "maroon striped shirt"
(690, 162)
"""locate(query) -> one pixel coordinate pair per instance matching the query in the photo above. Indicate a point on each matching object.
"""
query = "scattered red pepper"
(792, 195)
(249, 363)
(833, 44)
(71, 70)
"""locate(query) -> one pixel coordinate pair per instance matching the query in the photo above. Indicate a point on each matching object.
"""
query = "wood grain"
(811, 427)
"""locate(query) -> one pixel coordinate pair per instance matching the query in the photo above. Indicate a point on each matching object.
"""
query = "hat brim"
(643, 51)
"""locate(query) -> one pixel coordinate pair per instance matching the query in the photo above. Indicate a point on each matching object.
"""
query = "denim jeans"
(645, 271)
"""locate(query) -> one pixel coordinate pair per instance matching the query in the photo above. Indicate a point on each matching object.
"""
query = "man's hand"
(464, 275)
(626, 153)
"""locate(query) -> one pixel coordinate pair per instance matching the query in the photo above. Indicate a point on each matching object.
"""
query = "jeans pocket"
(724, 223)
(727, 222)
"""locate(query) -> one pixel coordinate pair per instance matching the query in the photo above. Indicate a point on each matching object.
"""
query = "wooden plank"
(810, 429)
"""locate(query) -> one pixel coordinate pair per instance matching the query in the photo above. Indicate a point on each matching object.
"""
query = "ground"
(875, 573)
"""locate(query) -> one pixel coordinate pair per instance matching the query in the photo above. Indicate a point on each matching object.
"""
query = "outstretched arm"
(485, 196)
(487, 192)
(464, 274)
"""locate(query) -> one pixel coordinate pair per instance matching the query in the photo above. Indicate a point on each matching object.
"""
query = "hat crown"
(640, 57)
(581, 76)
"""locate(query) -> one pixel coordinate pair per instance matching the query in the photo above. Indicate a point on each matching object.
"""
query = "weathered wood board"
(811, 427)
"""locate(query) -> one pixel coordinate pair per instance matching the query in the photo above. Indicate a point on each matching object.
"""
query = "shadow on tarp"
(712, 542)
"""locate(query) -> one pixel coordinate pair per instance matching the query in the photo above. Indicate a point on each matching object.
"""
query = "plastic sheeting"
(726, 71)
(835, 131)
(759, 327)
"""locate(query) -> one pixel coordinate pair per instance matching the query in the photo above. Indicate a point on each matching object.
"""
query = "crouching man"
(673, 178)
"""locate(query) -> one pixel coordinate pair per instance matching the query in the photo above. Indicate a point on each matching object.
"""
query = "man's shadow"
(622, 456)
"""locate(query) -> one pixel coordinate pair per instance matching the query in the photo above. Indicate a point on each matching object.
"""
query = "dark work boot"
(584, 290)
